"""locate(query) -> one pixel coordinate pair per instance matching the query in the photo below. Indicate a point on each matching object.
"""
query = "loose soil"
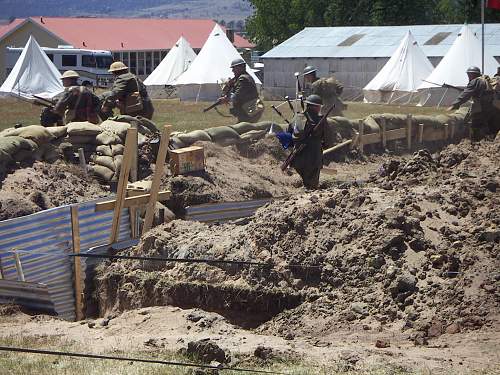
(394, 260)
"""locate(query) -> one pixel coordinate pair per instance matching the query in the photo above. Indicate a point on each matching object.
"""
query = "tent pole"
(442, 98)
(482, 36)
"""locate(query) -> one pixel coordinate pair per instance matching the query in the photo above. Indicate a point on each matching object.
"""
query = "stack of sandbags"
(16, 149)
(223, 135)
(83, 135)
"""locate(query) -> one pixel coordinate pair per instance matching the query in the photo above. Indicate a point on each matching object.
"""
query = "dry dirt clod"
(207, 351)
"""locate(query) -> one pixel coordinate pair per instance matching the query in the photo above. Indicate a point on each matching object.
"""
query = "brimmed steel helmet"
(117, 66)
(474, 69)
(237, 62)
(309, 69)
(70, 74)
(314, 100)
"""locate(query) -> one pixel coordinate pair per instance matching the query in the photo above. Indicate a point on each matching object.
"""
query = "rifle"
(444, 85)
(280, 114)
(298, 148)
(225, 92)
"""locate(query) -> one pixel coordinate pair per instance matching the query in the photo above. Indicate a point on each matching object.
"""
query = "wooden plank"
(136, 201)
(369, 139)
(408, 131)
(420, 133)
(155, 185)
(395, 134)
(446, 132)
(75, 232)
(19, 267)
(361, 133)
(336, 147)
(133, 178)
(122, 183)
(383, 129)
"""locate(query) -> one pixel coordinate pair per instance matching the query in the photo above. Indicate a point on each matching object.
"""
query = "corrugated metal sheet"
(224, 211)
(379, 41)
(31, 295)
(43, 241)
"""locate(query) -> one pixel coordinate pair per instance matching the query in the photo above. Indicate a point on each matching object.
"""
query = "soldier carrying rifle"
(484, 115)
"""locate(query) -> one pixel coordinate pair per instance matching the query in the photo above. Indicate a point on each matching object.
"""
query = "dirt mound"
(43, 186)
(230, 176)
(422, 257)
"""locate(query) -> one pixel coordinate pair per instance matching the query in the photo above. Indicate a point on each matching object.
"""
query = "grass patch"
(187, 116)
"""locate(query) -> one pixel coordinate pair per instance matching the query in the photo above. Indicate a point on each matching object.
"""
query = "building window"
(116, 56)
(68, 60)
(140, 63)
(156, 58)
(89, 61)
(125, 58)
(133, 62)
(149, 62)
(163, 54)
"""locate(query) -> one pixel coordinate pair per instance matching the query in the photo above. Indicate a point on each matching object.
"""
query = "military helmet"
(70, 74)
(474, 69)
(314, 100)
(309, 69)
(237, 62)
(117, 66)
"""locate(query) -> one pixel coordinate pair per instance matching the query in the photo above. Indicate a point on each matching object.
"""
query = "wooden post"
(155, 185)
(361, 133)
(81, 158)
(446, 132)
(452, 131)
(408, 131)
(75, 232)
(19, 267)
(420, 133)
(133, 212)
(383, 129)
(122, 183)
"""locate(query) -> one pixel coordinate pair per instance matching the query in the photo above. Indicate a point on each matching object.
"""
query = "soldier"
(78, 103)
(497, 74)
(128, 94)
(329, 89)
(483, 113)
(243, 94)
(309, 161)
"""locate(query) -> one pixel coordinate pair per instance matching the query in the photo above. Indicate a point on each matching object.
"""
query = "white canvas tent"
(400, 77)
(175, 63)
(33, 74)
(210, 68)
(464, 52)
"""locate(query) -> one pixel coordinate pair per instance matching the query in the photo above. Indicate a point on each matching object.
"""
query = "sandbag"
(57, 131)
(5, 158)
(106, 138)
(101, 172)
(222, 134)
(176, 143)
(144, 126)
(116, 127)
(370, 125)
(106, 161)
(104, 150)
(82, 139)
(117, 160)
(117, 149)
(23, 155)
(242, 127)
(253, 135)
(194, 136)
(83, 128)
(13, 144)
(16, 131)
(38, 134)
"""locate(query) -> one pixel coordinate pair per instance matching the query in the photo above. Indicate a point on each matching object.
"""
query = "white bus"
(92, 65)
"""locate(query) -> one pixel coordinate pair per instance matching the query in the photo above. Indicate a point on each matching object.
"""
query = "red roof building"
(140, 43)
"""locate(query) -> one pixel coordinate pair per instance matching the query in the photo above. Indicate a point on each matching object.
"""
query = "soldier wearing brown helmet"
(77, 103)
(243, 94)
(128, 94)
(484, 115)
(328, 88)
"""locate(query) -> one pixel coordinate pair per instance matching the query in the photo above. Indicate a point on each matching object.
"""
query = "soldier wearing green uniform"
(309, 161)
(78, 103)
(484, 115)
(329, 89)
(128, 94)
(243, 95)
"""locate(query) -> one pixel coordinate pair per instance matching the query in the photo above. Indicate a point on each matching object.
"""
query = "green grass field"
(187, 116)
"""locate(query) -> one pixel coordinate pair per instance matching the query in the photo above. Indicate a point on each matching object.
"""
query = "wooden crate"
(187, 159)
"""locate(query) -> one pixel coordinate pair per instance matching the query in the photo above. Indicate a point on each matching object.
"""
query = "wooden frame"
(79, 296)
(131, 202)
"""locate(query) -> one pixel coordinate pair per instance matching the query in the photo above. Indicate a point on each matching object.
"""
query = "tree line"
(274, 21)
